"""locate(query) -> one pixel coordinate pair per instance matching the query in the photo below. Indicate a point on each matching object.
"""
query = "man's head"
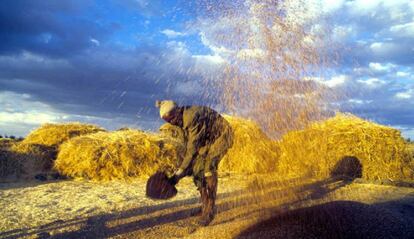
(167, 109)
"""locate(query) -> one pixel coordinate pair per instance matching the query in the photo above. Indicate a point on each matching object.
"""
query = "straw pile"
(172, 131)
(36, 153)
(318, 149)
(55, 134)
(121, 155)
(252, 150)
(9, 167)
(410, 159)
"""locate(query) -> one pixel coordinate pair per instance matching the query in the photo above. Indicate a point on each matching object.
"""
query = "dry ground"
(248, 207)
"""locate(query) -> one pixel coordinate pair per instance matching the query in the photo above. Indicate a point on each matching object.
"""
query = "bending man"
(208, 136)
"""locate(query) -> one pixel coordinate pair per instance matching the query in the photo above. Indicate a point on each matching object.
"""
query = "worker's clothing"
(208, 136)
(208, 198)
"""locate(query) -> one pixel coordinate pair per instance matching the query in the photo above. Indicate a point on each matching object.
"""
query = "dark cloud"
(53, 28)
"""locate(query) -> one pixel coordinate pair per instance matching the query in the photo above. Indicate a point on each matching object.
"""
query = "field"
(250, 207)
(107, 198)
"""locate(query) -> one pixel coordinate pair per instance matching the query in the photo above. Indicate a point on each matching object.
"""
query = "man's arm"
(192, 146)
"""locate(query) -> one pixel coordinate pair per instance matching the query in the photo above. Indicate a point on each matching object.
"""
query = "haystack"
(36, 153)
(318, 149)
(252, 150)
(55, 134)
(116, 155)
(172, 131)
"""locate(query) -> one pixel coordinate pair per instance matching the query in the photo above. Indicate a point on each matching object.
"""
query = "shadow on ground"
(339, 219)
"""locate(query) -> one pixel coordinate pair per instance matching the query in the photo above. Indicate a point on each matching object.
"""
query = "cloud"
(20, 113)
(172, 34)
(405, 94)
(359, 101)
(403, 30)
(372, 82)
(375, 66)
(335, 81)
(50, 61)
(402, 74)
(48, 28)
(94, 41)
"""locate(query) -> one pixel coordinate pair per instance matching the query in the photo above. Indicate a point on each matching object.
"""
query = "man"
(207, 136)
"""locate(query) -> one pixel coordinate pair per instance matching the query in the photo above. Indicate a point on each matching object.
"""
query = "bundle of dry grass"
(252, 150)
(10, 169)
(318, 149)
(36, 153)
(116, 155)
(410, 159)
(55, 134)
(172, 131)
(26, 162)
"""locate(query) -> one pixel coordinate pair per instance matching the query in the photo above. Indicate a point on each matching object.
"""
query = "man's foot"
(205, 220)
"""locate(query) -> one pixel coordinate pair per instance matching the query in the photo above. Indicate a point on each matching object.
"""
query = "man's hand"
(178, 172)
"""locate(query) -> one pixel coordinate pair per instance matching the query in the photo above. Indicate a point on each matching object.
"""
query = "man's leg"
(210, 191)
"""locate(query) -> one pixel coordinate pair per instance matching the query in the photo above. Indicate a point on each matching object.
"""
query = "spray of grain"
(275, 55)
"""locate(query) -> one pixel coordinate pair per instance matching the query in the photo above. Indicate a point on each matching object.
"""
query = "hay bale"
(55, 134)
(10, 169)
(36, 153)
(252, 150)
(409, 160)
(316, 150)
(172, 131)
(121, 155)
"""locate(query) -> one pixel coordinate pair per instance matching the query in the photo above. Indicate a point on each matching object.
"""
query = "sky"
(106, 62)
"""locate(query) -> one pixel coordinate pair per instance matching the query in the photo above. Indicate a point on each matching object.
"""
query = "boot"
(208, 207)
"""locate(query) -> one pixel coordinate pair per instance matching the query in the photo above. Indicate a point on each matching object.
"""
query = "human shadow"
(96, 226)
(336, 220)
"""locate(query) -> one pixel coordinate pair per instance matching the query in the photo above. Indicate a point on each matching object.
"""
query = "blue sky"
(106, 62)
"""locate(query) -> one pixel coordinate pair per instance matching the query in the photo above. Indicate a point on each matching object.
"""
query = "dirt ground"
(247, 207)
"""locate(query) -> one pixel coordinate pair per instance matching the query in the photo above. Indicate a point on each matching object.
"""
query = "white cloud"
(20, 113)
(336, 81)
(342, 33)
(96, 42)
(381, 67)
(333, 82)
(404, 30)
(372, 82)
(332, 5)
(359, 102)
(405, 94)
(402, 74)
(215, 59)
(217, 50)
(172, 34)
(362, 6)
(385, 49)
